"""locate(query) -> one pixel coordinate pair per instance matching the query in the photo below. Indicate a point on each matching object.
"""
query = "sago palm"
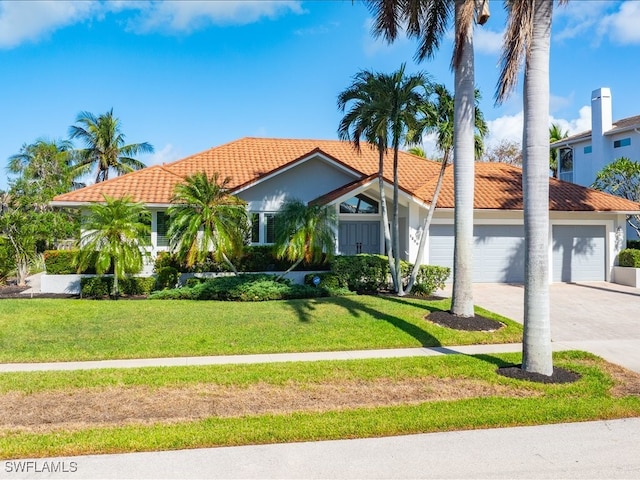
(305, 232)
(115, 234)
(105, 147)
(206, 220)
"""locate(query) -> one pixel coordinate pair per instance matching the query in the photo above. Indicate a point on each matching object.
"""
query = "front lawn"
(42, 330)
(108, 411)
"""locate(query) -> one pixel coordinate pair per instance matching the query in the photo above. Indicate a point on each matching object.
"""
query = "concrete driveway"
(599, 317)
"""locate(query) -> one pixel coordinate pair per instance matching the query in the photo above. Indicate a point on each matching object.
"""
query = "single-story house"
(586, 226)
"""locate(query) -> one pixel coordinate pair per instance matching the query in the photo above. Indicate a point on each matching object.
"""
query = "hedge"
(244, 288)
(256, 258)
(629, 258)
(62, 262)
(100, 287)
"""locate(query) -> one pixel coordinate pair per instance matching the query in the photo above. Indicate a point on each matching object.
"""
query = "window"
(162, 240)
(263, 228)
(566, 164)
(587, 149)
(359, 204)
(623, 142)
(146, 220)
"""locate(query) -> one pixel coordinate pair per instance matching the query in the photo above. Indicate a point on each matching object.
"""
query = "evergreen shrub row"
(100, 287)
(629, 258)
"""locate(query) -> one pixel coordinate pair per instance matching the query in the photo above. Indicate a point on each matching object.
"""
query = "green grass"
(64, 330)
(587, 399)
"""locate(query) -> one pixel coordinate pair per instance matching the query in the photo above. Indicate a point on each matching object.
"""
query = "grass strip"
(590, 398)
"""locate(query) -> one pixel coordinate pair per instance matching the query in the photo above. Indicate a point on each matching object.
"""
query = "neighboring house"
(583, 155)
(585, 224)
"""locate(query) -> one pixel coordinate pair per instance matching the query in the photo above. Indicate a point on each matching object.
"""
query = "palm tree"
(385, 108)
(367, 118)
(438, 119)
(427, 20)
(528, 36)
(47, 163)
(305, 232)
(555, 133)
(205, 219)
(115, 233)
(105, 146)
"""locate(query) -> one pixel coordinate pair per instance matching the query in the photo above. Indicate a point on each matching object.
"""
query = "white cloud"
(167, 154)
(577, 125)
(30, 21)
(578, 17)
(486, 41)
(509, 127)
(182, 16)
(622, 26)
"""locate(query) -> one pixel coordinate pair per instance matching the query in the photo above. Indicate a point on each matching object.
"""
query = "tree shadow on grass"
(303, 309)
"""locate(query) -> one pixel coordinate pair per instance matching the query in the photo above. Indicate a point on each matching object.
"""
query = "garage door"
(498, 255)
(578, 253)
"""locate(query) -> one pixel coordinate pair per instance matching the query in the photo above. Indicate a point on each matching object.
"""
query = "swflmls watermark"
(40, 466)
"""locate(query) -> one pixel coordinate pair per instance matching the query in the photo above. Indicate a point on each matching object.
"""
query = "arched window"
(359, 204)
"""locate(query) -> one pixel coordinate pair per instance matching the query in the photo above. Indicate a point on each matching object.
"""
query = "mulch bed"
(477, 323)
(14, 291)
(560, 375)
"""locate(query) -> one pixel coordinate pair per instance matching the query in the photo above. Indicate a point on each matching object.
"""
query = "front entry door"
(359, 237)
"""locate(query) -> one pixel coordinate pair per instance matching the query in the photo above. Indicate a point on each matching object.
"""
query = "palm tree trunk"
(114, 291)
(463, 173)
(426, 225)
(233, 267)
(284, 274)
(385, 221)
(535, 175)
(396, 221)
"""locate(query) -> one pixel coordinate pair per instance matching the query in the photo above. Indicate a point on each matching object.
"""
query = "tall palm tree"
(115, 233)
(105, 146)
(384, 108)
(555, 133)
(528, 37)
(205, 219)
(305, 232)
(439, 119)
(427, 20)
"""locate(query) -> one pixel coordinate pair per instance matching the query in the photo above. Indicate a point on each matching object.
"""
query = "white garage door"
(578, 253)
(498, 255)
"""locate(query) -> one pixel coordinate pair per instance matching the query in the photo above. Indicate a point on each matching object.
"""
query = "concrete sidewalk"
(606, 449)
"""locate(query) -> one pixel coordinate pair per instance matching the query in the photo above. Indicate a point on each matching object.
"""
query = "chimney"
(601, 118)
(601, 122)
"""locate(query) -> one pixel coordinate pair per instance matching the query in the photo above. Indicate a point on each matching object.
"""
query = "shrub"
(430, 278)
(629, 258)
(60, 262)
(362, 273)
(100, 287)
(95, 287)
(328, 280)
(245, 288)
(167, 278)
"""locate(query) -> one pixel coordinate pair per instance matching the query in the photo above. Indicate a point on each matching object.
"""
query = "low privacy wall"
(627, 276)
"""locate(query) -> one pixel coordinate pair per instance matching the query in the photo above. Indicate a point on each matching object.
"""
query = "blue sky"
(186, 76)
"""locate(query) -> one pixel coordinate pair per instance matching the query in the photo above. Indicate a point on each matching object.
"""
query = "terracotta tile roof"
(497, 186)
(150, 185)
